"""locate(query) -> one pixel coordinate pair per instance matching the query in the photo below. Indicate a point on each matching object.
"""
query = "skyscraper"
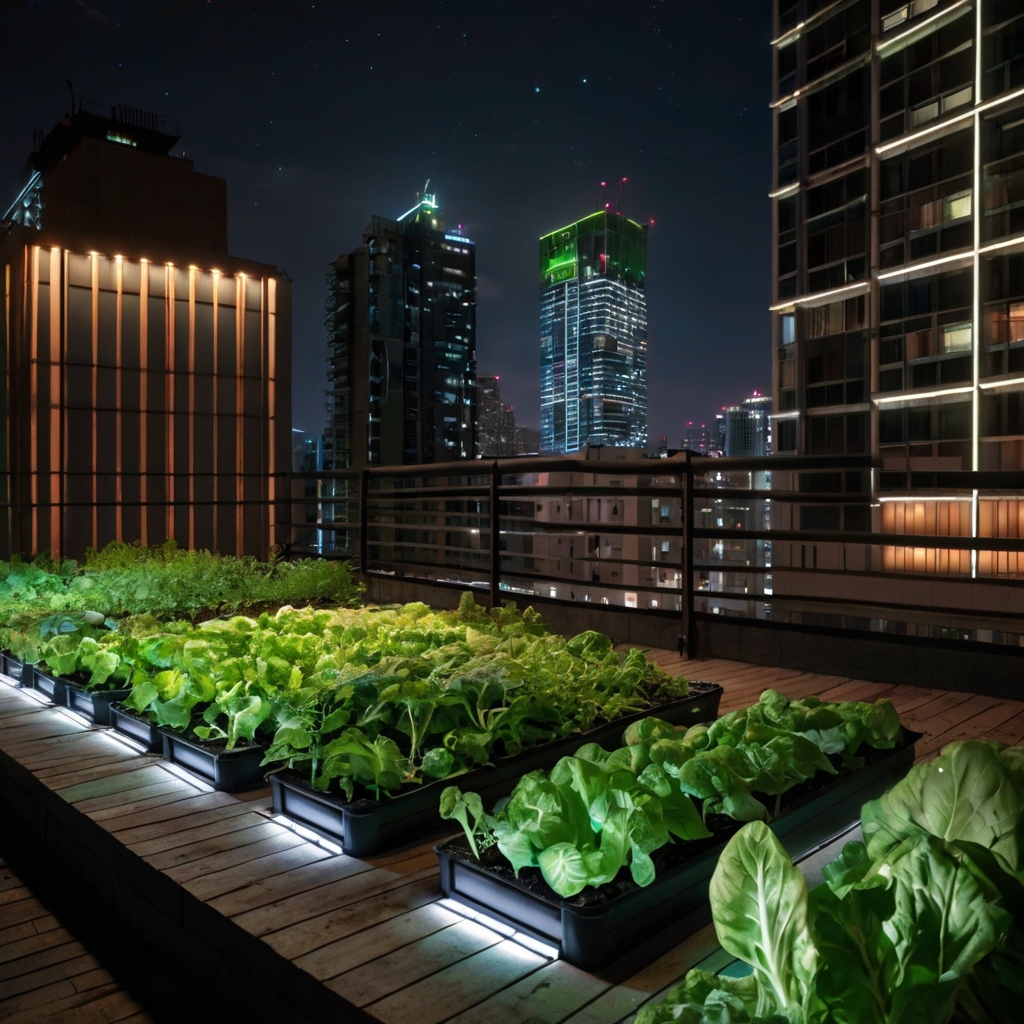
(898, 206)
(401, 320)
(748, 430)
(593, 334)
(497, 434)
(147, 388)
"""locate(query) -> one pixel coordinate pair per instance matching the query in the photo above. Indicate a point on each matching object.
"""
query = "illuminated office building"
(898, 208)
(593, 334)
(148, 371)
(401, 321)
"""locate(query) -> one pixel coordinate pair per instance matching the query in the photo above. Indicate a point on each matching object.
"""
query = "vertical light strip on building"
(144, 270)
(118, 402)
(33, 398)
(169, 397)
(192, 407)
(215, 434)
(239, 423)
(94, 399)
(976, 209)
(271, 349)
(56, 399)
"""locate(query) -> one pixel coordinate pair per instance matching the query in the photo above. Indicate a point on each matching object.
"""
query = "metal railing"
(807, 541)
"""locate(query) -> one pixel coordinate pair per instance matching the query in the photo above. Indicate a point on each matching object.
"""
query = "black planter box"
(228, 770)
(93, 704)
(136, 727)
(50, 686)
(14, 668)
(592, 935)
(364, 827)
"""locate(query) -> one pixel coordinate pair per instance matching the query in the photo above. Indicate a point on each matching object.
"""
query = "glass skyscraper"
(593, 334)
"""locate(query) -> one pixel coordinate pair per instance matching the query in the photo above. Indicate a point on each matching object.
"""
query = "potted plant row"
(609, 847)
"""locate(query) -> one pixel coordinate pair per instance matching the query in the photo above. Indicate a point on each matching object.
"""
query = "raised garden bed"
(15, 669)
(599, 925)
(49, 685)
(137, 727)
(93, 704)
(228, 770)
(364, 827)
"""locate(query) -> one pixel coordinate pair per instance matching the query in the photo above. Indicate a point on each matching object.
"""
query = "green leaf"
(968, 793)
(563, 869)
(759, 902)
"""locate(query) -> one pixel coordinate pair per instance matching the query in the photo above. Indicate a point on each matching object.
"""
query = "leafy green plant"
(919, 925)
(599, 811)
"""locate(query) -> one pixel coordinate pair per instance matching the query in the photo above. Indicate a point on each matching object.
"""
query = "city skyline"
(316, 118)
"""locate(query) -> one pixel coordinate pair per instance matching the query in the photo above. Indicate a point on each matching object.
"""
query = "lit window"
(956, 338)
(788, 328)
(955, 207)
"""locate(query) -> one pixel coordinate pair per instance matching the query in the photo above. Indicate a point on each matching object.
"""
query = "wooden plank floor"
(375, 932)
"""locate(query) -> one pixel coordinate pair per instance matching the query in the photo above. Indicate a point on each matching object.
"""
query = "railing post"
(494, 525)
(689, 637)
(364, 518)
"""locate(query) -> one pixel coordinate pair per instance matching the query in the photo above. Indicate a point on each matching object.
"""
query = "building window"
(788, 328)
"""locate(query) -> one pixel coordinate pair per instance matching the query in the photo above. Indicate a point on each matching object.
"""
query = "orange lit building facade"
(147, 371)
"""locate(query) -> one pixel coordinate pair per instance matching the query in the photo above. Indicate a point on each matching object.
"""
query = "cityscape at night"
(512, 512)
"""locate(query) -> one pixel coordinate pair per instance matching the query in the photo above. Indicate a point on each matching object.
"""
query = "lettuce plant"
(599, 811)
(919, 925)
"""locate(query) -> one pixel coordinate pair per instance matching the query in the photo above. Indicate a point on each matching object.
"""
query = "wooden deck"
(366, 940)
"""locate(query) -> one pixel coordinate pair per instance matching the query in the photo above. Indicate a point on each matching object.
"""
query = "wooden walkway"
(366, 940)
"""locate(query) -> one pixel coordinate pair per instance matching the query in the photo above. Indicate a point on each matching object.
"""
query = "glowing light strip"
(999, 100)
(305, 833)
(781, 193)
(913, 396)
(784, 415)
(914, 267)
(532, 944)
(907, 139)
(924, 497)
(1012, 382)
(885, 44)
(817, 297)
(1016, 240)
(976, 211)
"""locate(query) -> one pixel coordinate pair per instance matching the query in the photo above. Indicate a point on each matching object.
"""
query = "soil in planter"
(672, 854)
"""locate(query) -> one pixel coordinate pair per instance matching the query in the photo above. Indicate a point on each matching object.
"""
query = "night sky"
(321, 114)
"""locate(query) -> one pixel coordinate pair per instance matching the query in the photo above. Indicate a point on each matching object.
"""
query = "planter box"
(364, 827)
(49, 685)
(17, 671)
(590, 935)
(93, 704)
(22, 673)
(228, 770)
(136, 727)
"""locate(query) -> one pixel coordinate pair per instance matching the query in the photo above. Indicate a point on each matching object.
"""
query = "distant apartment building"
(898, 210)
(148, 371)
(401, 321)
(697, 437)
(748, 428)
(497, 434)
(593, 334)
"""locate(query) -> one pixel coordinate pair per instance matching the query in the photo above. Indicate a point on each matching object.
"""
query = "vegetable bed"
(600, 827)
(364, 827)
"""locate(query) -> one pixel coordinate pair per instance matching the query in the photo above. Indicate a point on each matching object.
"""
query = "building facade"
(497, 433)
(748, 427)
(593, 334)
(401, 321)
(148, 371)
(898, 208)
